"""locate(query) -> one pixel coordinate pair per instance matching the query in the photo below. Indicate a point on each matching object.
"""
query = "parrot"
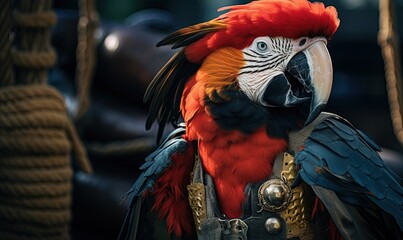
(239, 90)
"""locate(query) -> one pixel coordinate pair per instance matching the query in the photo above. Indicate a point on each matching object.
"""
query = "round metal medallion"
(273, 225)
(274, 195)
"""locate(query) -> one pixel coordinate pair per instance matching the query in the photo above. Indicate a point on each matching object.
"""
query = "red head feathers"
(243, 23)
(236, 28)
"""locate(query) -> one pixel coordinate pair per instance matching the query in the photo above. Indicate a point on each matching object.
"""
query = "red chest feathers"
(232, 158)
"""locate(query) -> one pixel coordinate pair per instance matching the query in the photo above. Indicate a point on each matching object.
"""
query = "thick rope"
(6, 71)
(35, 175)
(42, 19)
(51, 120)
(47, 189)
(389, 42)
(87, 25)
(18, 93)
(38, 203)
(42, 217)
(35, 231)
(37, 140)
(39, 230)
(33, 54)
(29, 162)
(21, 233)
(34, 60)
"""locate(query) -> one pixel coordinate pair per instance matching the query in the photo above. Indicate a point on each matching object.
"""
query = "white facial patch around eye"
(264, 59)
(262, 45)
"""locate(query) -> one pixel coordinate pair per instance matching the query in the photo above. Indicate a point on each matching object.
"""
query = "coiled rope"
(38, 140)
(33, 54)
(37, 143)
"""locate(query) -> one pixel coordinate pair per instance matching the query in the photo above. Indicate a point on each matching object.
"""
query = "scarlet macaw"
(247, 84)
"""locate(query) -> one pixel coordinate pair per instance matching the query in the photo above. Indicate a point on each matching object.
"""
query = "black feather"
(165, 90)
(241, 113)
(187, 35)
(191, 39)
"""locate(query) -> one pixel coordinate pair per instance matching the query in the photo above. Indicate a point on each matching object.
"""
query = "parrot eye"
(261, 46)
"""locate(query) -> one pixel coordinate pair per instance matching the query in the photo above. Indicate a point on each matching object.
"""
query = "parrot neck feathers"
(237, 112)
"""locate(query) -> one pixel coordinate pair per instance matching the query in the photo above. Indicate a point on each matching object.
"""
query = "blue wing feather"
(153, 167)
(345, 160)
(157, 162)
(369, 141)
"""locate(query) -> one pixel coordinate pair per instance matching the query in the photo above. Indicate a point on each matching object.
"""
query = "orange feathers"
(220, 70)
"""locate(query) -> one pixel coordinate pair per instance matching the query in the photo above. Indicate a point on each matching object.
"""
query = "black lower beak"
(284, 92)
(306, 80)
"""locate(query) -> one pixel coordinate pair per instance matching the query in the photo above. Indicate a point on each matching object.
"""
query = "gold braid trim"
(295, 215)
(197, 195)
(197, 201)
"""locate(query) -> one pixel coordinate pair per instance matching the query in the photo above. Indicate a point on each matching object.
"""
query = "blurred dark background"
(127, 59)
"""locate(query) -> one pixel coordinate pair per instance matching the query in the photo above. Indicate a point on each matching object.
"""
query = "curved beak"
(308, 78)
(321, 78)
